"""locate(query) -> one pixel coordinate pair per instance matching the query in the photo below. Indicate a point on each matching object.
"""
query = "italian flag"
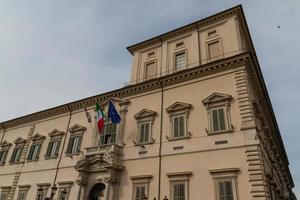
(100, 118)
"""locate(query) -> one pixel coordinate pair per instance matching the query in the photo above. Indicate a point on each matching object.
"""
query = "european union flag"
(113, 113)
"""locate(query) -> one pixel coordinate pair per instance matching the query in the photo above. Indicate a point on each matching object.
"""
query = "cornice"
(153, 84)
(185, 29)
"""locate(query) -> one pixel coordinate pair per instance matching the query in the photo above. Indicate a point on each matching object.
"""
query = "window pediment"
(37, 137)
(5, 144)
(19, 140)
(179, 106)
(144, 113)
(55, 133)
(76, 128)
(216, 98)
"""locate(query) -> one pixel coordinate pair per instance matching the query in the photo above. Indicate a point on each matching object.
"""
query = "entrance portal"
(97, 192)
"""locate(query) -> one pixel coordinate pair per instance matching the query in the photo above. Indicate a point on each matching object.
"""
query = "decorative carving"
(179, 106)
(216, 97)
(76, 128)
(37, 137)
(5, 144)
(145, 113)
(55, 133)
(19, 140)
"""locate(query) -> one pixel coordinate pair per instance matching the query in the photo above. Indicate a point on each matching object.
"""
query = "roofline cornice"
(131, 90)
(185, 29)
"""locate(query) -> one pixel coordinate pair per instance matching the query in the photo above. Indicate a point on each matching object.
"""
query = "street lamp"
(63, 194)
(165, 198)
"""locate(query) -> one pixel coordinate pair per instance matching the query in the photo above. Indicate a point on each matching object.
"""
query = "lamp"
(63, 194)
(53, 191)
(165, 198)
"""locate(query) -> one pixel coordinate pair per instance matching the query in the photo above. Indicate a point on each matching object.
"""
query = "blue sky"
(56, 51)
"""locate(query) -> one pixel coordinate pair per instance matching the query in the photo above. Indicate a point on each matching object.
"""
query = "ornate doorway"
(97, 192)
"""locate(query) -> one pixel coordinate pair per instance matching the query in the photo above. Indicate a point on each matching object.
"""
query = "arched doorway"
(97, 192)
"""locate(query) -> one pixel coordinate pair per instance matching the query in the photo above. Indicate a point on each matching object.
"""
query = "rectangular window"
(144, 132)
(41, 194)
(218, 119)
(140, 192)
(53, 149)
(34, 151)
(225, 190)
(178, 191)
(180, 61)
(150, 70)
(214, 50)
(178, 126)
(3, 195)
(16, 155)
(109, 134)
(63, 194)
(74, 144)
(22, 195)
(3, 154)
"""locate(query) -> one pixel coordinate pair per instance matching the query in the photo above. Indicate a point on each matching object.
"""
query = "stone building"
(197, 123)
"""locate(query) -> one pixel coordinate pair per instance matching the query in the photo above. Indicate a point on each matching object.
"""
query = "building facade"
(196, 123)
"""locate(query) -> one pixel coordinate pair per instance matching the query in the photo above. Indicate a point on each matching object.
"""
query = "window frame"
(146, 64)
(217, 101)
(102, 135)
(5, 147)
(23, 189)
(179, 178)
(177, 53)
(67, 185)
(228, 175)
(55, 136)
(179, 115)
(179, 109)
(210, 42)
(138, 181)
(37, 140)
(142, 117)
(16, 156)
(5, 190)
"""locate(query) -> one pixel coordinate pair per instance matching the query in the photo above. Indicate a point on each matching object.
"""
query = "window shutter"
(143, 192)
(181, 192)
(221, 191)
(214, 50)
(1, 156)
(147, 132)
(175, 192)
(137, 193)
(181, 126)
(57, 148)
(175, 127)
(3, 196)
(70, 144)
(215, 121)
(13, 156)
(29, 157)
(228, 190)
(49, 149)
(222, 119)
(79, 144)
(142, 131)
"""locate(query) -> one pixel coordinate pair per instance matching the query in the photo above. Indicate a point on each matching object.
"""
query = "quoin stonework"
(196, 123)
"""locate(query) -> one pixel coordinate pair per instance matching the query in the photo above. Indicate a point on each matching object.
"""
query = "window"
(178, 191)
(144, 132)
(75, 139)
(64, 190)
(179, 185)
(17, 152)
(178, 125)
(145, 120)
(23, 189)
(54, 144)
(140, 186)
(140, 192)
(180, 60)
(42, 191)
(3, 154)
(225, 190)
(218, 119)
(34, 152)
(109, 134)
(150, 70)
(179, 113)
(3, 195)
(225, 183)
(218, 106)
(214, 50)
(35, 148)
(5, 146)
